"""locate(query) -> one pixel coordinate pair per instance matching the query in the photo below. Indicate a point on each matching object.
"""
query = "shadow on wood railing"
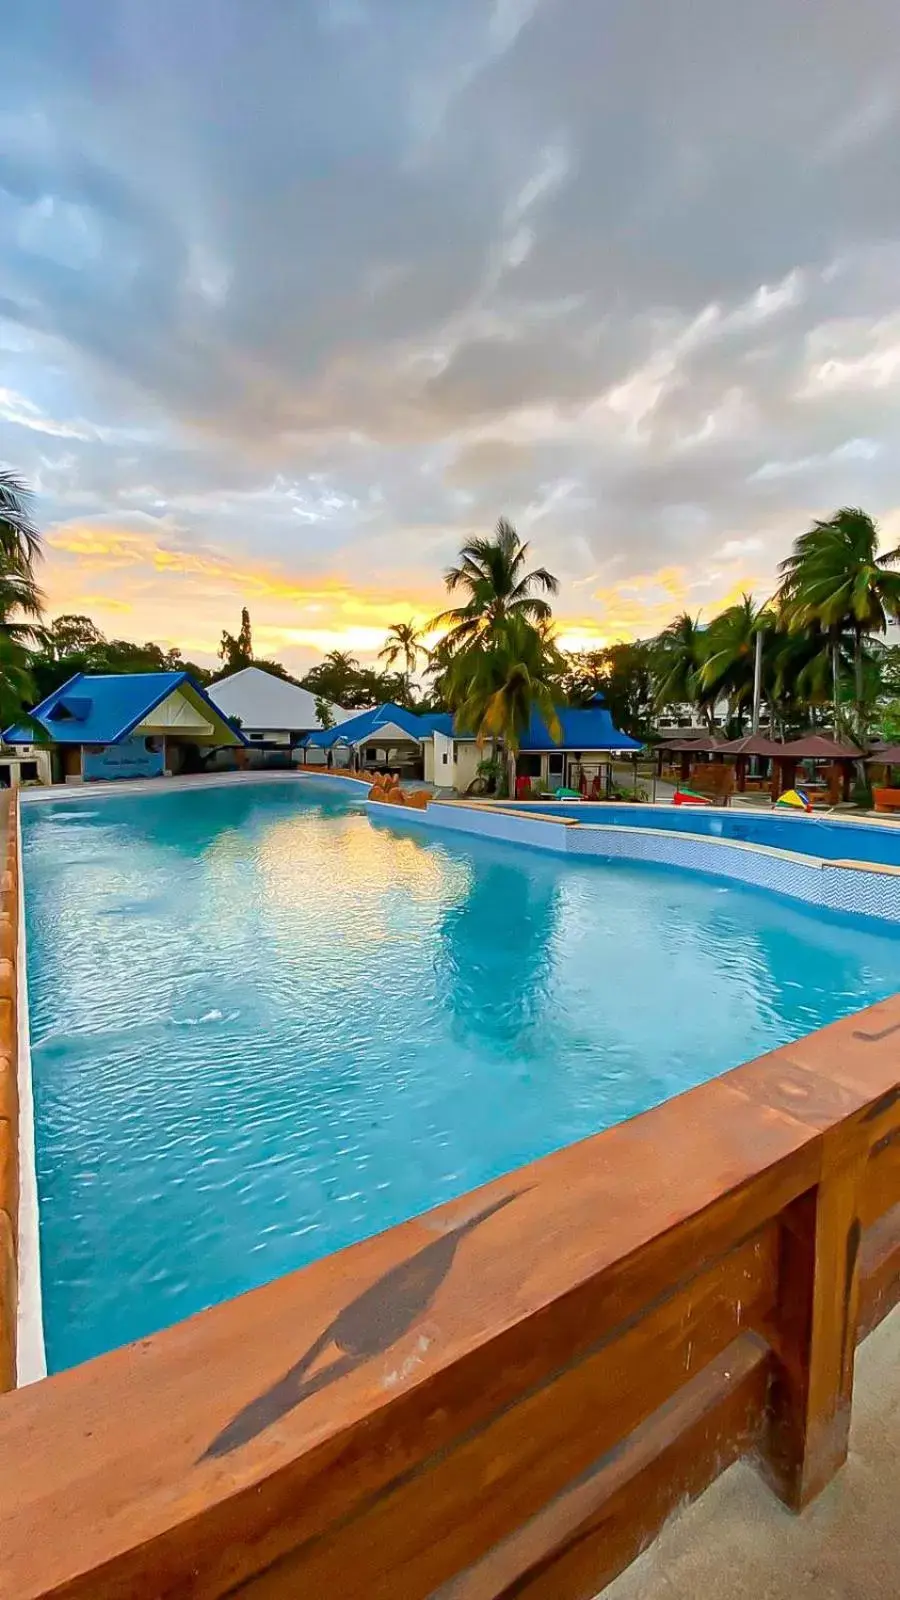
(507, 1396)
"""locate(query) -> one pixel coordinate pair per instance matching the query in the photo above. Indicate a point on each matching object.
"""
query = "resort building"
(427, 747)
(387, 736)
(274, 716)
(588, 739)
(127, 725)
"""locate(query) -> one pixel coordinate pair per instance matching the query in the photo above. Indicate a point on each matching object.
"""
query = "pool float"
(794, 800)
(688, 797)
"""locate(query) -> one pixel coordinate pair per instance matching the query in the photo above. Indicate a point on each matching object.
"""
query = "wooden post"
(816, 1332)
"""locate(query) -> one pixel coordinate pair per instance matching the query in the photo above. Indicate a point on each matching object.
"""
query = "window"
(444, 758)
(29, 771)
(257, 736)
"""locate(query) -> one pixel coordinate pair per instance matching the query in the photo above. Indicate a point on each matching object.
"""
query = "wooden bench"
(886, 799)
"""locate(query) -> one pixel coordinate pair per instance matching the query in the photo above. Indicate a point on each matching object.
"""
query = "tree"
(729, 654)
(71, 634)
(403, 643)
(336, 678)
(20, 597)
(492, 574)
(681, 655)
(835, 579)
(625, 675)
(237, 653)
(324, 713)
(495, 689)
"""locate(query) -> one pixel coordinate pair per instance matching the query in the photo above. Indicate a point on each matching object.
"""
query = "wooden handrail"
(507, 1395)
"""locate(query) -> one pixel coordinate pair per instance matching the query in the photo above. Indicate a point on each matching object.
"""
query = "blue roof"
(367, 723)
(590, 729)
(104, 708)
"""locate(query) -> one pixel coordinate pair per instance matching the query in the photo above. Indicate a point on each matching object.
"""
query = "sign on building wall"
(137, 757)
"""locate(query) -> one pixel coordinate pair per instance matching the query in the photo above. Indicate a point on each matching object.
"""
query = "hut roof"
(820, 747)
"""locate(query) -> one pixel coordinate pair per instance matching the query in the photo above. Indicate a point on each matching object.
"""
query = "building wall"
(465, 766)
(442, 761)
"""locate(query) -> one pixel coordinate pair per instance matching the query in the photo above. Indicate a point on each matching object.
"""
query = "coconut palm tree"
(495, 690)
(680, 658)
(20, 597)
(492, 574)
(20, 549)
(403, 643)
(729, 653)
(836, 579)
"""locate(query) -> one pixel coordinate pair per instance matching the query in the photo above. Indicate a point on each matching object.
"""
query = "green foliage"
(491, 574)
(340, 679)
(625, 674)
(324, 713)
(403, 643)
(237, 653)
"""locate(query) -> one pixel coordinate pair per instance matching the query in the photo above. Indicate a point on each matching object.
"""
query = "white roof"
(267, 704)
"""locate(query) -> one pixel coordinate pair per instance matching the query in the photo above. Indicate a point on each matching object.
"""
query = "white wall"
(465, 767)
(442, 761)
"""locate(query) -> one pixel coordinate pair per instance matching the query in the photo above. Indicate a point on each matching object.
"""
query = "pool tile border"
(857, 888)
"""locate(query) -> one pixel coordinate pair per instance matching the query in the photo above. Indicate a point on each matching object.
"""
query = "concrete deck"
(737, 1543)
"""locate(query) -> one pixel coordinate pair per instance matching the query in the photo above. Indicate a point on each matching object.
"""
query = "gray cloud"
(330, 283)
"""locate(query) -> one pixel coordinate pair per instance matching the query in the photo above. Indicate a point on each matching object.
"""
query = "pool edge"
(862, 889)
(31, 1358)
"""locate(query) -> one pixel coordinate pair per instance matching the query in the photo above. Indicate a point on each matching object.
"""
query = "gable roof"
(589, 729)
(267, 703)
(365, 724)
(104, 708)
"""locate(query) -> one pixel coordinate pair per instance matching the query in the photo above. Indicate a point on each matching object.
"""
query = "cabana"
(886, 796)
(742, 751)
(686, 746)
(817, 748)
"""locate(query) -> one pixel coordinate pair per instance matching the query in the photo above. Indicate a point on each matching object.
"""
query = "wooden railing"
(506, 1396)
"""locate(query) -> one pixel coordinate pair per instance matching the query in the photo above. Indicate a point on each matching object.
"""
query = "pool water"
(825, 837)
(263, 1027)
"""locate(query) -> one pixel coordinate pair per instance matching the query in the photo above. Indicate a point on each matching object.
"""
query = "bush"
(861, 795)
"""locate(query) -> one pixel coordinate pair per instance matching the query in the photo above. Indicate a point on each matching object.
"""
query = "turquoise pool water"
(263, 1027)
(826, 837)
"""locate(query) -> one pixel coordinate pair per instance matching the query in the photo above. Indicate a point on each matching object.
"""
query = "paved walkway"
(737, 1542)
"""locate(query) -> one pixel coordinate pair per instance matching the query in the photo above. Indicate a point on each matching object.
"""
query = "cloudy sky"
(295, 294)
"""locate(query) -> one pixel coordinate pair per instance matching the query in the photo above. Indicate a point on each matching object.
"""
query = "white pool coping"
(31, 1356)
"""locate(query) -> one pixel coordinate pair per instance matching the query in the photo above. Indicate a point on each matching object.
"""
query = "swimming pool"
(826, 837)
(263, 1028)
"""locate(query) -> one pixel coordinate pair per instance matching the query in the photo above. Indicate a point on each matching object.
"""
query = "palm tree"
(492, 574)
(835, 578)
(20, 597)
(729, 653)
(403, 643)
(681, 656)
(496, 690)
(20, 548)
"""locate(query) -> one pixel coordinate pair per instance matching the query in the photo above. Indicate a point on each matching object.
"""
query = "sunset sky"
(297, 294)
